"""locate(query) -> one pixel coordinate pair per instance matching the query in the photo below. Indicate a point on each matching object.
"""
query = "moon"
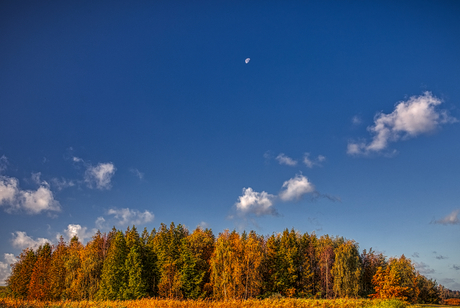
(247, 60)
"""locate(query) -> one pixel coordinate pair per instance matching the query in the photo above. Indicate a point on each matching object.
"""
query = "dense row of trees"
(174, 263)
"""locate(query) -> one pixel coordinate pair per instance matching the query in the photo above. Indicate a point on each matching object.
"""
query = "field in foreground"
(252, 303)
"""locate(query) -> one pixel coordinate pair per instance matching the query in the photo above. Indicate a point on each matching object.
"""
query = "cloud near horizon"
(126, 216)
(14, 199)
(21, 240)
(77, 230)
(451, 219)
(5, 268)
(418, 115)
(262, 203)
(252, 202)
(423, 268)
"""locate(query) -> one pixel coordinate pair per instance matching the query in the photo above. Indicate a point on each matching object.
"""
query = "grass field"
(266, 303)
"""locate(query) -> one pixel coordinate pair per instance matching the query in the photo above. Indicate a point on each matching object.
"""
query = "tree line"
(174, 263)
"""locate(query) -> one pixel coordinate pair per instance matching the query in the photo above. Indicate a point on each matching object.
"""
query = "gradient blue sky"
(344, 121)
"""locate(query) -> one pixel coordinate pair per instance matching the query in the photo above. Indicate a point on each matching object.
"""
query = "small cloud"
(62, 183)
(356, 120)
(456, 267)
(100, 175)
(77, 230)
(415, 255)
(451, 219)
(440, 257)
(423, 268)
(247, 60)
(203, 225)
(77, 159)
(137, 173)
(418, 115)
(268, 155)
(21, 240)
(310, 163)
(31, 201)
(285, 160)
(128, 216)
(100, 223)
(252, 202)
(295, 188)
(3, 163)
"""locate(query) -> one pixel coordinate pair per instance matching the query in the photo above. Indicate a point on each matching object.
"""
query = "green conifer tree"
(113, 275)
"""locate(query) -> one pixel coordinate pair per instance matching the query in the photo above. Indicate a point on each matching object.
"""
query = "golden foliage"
(164, 303)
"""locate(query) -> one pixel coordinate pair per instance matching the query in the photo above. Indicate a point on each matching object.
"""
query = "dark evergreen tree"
(113, 275)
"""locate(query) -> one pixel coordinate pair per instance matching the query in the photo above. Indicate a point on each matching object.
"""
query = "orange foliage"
(452, 301)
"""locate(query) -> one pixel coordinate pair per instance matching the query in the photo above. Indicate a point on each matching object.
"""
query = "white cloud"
(100, 223)
(247, 60)
(451, 219)
(100, 175)
(77, 230)
(128, 216)
(10, 258)
(252, 202)
(32, 202)
(5, 269)
(418, 115)
(310, 163)
(295, 188)
(285, 160)
(137, 173)
(77, 159)
(22, 240)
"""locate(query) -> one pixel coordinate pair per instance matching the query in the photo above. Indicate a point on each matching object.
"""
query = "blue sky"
(344, 121)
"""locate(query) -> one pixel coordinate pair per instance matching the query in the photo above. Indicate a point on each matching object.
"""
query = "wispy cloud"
(451, 219)
(137, 173)
(295, 188)
(423, 268)
(21, 240)
(203, 225)
(356, 120)
(310, 163)
(286, 160)
(3, 163)
(13, 199)
(415, 255)
(62, 183)
(441, 257)
(126, 216)
(418, 115)
(257, 203)
(100, 176)
(456, 267)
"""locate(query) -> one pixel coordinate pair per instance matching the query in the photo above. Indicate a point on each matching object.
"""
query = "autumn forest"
(174, 263)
